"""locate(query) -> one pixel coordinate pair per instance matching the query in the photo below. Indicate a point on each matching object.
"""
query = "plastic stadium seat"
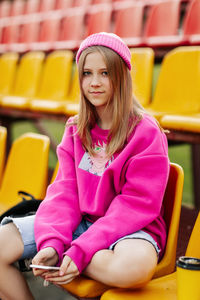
(26, 169)
(10, 34)
(189, 123)
(85, 287)
(31, 6)
(72, 100)
(28, 33)
(63, 4)
(162, 24)
(54, 83)
(8, 64)
(5, 8)
(46, 5)
(71, 29)
(82, 3)
(27, 81)
(178, 89)
(191, 25)
(98, 19)
(128, 21)
(165, 287)
(17, 7)
(142, 61)
(3, 138)
(48, 33)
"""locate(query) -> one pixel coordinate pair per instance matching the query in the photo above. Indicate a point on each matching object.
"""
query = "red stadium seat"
(128, 21)
(63, 4)
(162, 24)
(31, 6)
(191, 25)
(5, 8)
(98, 19)
(17, 7)
(71, 30)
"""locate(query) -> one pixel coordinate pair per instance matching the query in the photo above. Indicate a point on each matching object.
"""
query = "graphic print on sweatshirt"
(97, 163)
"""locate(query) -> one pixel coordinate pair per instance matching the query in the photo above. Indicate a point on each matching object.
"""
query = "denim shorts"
(25, 226)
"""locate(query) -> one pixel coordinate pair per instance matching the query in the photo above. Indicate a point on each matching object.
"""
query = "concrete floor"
(45, 293)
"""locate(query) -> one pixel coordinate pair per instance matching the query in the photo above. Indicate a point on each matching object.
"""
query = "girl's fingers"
(61, 280)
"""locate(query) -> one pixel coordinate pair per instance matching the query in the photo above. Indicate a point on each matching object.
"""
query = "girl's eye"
(86, 73)
(105, 73)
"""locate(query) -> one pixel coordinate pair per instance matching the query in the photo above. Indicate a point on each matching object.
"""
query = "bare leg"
(13, 286)
(131, 264)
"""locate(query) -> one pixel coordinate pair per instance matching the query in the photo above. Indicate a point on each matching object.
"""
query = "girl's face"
(96, 83)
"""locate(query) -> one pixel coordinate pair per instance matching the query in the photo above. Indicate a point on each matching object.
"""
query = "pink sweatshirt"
(119, 196)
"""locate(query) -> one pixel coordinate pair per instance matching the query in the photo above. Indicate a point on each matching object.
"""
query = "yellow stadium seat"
(142, 61)
(26, 169)
(178, 88)
(54, 83)
(8, 65)
(72, 101)
(55, 172)
(165, 287)
(86, 287)
(27, 80)
(189, 123)
(3, 137)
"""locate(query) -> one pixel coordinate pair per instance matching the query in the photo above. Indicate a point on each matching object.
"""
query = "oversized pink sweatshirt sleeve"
(59, 213)
(138, 177)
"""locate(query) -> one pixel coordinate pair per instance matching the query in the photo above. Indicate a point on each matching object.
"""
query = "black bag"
(28, 206)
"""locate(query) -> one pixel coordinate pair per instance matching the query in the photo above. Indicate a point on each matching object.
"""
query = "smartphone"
(41, 267)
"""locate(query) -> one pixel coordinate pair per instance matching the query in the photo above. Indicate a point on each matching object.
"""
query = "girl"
(102, 216)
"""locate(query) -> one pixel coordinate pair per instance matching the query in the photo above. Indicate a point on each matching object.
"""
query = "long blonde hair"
(126, 110)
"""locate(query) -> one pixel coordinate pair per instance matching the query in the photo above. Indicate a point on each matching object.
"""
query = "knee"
(11, 245)
(133, 274)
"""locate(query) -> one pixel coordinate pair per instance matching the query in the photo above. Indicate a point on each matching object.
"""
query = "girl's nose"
(95, 81)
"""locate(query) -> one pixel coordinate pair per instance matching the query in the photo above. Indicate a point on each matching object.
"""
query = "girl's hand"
(68, 271)
(47, 256)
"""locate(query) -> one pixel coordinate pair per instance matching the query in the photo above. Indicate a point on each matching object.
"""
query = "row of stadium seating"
(166, 23)
(49, 83)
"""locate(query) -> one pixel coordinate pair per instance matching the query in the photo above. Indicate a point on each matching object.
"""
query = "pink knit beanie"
(109, 40)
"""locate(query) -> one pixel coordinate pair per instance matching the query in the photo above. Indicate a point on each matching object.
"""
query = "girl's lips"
(96, 93)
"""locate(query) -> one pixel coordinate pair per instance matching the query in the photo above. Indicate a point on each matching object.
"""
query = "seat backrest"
(178, 88)
(72, 26)
(193, 248)
(56, 75)
(191, 24)
(98, 19)
(49, 29)
(142, 61)
(63, 4)
(74, 91)
(17, 7)
(46, 5)
(8, 66)
(3, 138)
(128, 19)
(55, 173)
(163, 18)
(31, 6)
(29, 32)
(172, 209)
(26, 169)
(10, 33)
(5, 8)
(28, 74)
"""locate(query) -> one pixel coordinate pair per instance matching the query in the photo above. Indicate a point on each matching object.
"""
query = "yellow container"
(188, 278)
